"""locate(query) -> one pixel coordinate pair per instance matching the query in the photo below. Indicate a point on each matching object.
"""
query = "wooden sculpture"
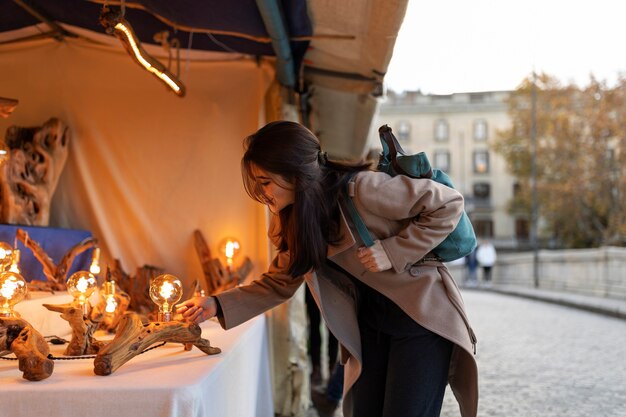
(30, 174)
(133, 337)
(82, 342)
(137, 287)
(56, 274)
(216, 277)
(30, 348)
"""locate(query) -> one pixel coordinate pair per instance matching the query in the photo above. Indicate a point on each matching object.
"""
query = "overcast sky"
(448, 46)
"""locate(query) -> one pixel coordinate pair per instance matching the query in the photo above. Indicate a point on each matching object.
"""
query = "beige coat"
(410, 217)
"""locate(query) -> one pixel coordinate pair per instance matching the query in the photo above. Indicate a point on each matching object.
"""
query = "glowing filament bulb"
(13, 289)
(110, 301)
(111, 304)
(15, 264)
(80, 286)
(94, 268)
(166, 290)
(230, 248)
(6, 255)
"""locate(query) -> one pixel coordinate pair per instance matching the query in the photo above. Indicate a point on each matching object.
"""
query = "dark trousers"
(405, 366)
(315, 339)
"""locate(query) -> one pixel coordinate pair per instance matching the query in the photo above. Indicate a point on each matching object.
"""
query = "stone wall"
(598, 272)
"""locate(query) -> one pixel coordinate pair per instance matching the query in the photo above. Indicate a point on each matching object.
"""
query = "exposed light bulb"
(6, 255)
(13, 289)
(80, 286)
(229, 247)
(109, 290)
(15, 261)
(94, 268)
(166, 290)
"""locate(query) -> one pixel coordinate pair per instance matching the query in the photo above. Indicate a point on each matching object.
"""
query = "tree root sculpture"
(216, 277)
(133, 337)
(30, 175)
(31, 349)
(56, 274)
(137, 287)
(82, 342)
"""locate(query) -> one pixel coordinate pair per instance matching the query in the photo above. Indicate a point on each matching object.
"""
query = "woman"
(395, 309)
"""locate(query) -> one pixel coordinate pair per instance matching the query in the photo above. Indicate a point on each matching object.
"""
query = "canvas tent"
(146, 167)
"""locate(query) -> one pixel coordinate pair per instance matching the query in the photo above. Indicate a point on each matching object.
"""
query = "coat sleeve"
(271, 289)
(434, 210)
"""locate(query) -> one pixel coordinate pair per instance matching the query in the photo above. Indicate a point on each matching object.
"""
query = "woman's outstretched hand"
(374, 258)
(197, 309)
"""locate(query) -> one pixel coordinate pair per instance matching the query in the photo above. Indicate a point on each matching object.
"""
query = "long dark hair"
(311, 223)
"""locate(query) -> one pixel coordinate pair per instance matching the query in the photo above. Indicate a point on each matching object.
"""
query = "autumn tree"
(580, 157)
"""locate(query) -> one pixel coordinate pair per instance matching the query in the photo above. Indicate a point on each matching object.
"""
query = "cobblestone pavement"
(543, 360)
(539, 359)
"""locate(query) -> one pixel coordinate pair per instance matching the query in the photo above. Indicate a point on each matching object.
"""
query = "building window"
(482, 190)
(480, 130)
(481, 162)
(404, 131)
(483, 228)
(522, 229)
(442, 160)
(441, 130)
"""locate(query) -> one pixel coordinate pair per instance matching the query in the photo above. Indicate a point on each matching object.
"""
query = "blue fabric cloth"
(56, 242)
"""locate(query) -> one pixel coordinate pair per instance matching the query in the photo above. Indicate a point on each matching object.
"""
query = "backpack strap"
(358, 222)
(392, 150)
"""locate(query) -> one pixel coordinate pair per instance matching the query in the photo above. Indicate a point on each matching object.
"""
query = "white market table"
(163, 382)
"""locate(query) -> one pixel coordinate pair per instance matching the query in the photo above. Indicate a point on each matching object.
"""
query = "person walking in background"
(394, 307)
(471, 265)
(486, 257)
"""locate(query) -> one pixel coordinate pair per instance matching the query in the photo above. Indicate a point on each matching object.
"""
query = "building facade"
(457, 132)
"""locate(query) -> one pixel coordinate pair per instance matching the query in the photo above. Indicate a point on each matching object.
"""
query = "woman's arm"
(434, 210)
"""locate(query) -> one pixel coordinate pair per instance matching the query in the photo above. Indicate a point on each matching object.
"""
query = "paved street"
(543, 360)
(539, 359)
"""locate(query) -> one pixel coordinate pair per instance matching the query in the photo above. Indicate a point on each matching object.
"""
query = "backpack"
(394, 161)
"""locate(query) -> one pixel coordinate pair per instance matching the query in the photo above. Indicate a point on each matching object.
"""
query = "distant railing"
(597, 272)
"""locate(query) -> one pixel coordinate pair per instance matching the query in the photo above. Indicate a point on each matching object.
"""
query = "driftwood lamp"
(13, 289)
(17, 335)
(80, 285)
(218, 278)
(133, 337)
(112, 305)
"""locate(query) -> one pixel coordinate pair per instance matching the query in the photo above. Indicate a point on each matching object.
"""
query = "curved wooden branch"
(49, 268)
(83, 342)
(66, 262)
(55, 274)
(31, 349)
(133, 337)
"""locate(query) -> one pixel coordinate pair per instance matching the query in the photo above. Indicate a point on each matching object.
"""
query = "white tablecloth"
(46, 322)
(163, 382)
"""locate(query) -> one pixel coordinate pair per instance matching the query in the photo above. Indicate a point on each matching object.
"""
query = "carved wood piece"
(56, 274)
(132, 338)
(28, 345)
(137, 287)
(29, 176)
(82, 342)
(216, 277)
(213, 273)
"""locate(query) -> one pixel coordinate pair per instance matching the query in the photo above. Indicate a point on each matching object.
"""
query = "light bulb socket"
(164, 316)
